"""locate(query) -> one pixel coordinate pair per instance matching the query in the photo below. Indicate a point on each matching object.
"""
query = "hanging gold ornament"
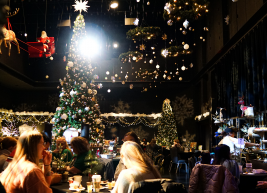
(142, 47)
(97, 130)
(164, 37)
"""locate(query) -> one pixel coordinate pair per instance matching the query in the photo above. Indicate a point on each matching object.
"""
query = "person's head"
(222, 153)
(79, 145)
(8, 143)
(229, 132)
(131, 136)
(30, 146)
(144, 140)
(176, 141)
(47, 141)
(43, 34)
(152, 142)
(61, 142)
(133, 156)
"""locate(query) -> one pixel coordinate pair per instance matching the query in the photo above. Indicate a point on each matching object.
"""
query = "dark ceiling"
(107, 25)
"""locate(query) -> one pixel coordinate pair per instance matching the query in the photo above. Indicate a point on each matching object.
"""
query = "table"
(249, 181)
(63, 187)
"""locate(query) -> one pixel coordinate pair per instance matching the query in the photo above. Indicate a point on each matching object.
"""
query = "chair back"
(212, 178)
(174, 155)
(156, 186)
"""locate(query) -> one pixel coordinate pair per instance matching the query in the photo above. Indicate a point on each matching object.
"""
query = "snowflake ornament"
(136, 22)
(227, 20)
(165, 53)
(73, 92)
(80, 6)
(186, 24)
(168, 8)
(99, 86)
(170, 22)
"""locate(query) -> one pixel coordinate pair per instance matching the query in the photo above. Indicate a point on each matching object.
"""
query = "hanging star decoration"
(142, 47)
(80, 6)
(227, 20)
(165, 53)
(164, 37)
(136, 22)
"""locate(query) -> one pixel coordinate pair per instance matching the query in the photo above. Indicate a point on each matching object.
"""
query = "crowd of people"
(21, 171)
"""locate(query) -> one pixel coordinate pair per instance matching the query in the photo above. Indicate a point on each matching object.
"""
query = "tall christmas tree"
(167, 131)
(78, 103)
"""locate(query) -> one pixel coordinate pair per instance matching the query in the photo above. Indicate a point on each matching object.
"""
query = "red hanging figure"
(45, 40)
(44, 47)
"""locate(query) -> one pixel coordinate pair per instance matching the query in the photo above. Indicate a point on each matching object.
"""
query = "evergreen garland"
(145, 33)
(179, 10)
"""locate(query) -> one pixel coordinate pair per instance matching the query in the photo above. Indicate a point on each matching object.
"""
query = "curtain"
(243, 72)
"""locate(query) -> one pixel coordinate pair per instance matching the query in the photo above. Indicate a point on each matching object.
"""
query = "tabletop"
(63, 187)
(248, 182)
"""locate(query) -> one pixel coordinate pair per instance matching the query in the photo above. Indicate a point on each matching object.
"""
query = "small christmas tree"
(78, 103)
(167, 131)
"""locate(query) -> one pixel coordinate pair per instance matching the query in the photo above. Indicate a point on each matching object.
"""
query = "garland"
(179, 10)
(145, 33)
(130, 56)
(174, 51)
(123, 122)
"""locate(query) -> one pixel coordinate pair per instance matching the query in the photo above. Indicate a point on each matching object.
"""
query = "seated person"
(176, 143)
(130, 136)
(80, 148)
(205, 159)
(62, 148)
(144, 142)
(44, 39)
(222, 157)
(139, 167)
(47, 141)
(7, 145)
(23, 173)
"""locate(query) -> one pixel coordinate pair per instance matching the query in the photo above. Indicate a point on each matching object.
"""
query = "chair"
(175, 160)
(191, 164)
(212, 178)
(156, 186)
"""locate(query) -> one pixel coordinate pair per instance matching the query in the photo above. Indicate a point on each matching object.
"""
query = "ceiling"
(107, 26)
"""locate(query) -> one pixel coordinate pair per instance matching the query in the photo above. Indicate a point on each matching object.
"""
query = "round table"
(63, 187)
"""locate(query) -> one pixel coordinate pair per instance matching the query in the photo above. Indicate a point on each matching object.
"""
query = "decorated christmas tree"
(78, 103)
(167, 131)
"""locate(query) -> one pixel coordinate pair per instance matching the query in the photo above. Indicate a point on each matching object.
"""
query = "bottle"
(90, 175)
(98, 152)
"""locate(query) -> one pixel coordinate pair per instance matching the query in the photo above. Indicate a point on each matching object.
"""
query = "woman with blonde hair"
(139, 167)
(62, 148)
(23, 173)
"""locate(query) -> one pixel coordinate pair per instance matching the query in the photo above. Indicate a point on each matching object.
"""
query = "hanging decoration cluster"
(130, 56)
(78, 103)
(179, 10)
(143, 33)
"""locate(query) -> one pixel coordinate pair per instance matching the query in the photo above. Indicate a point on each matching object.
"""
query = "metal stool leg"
(170, 167)
(178, 168)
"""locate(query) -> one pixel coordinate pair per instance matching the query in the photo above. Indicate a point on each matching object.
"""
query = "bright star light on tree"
(80, 6)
